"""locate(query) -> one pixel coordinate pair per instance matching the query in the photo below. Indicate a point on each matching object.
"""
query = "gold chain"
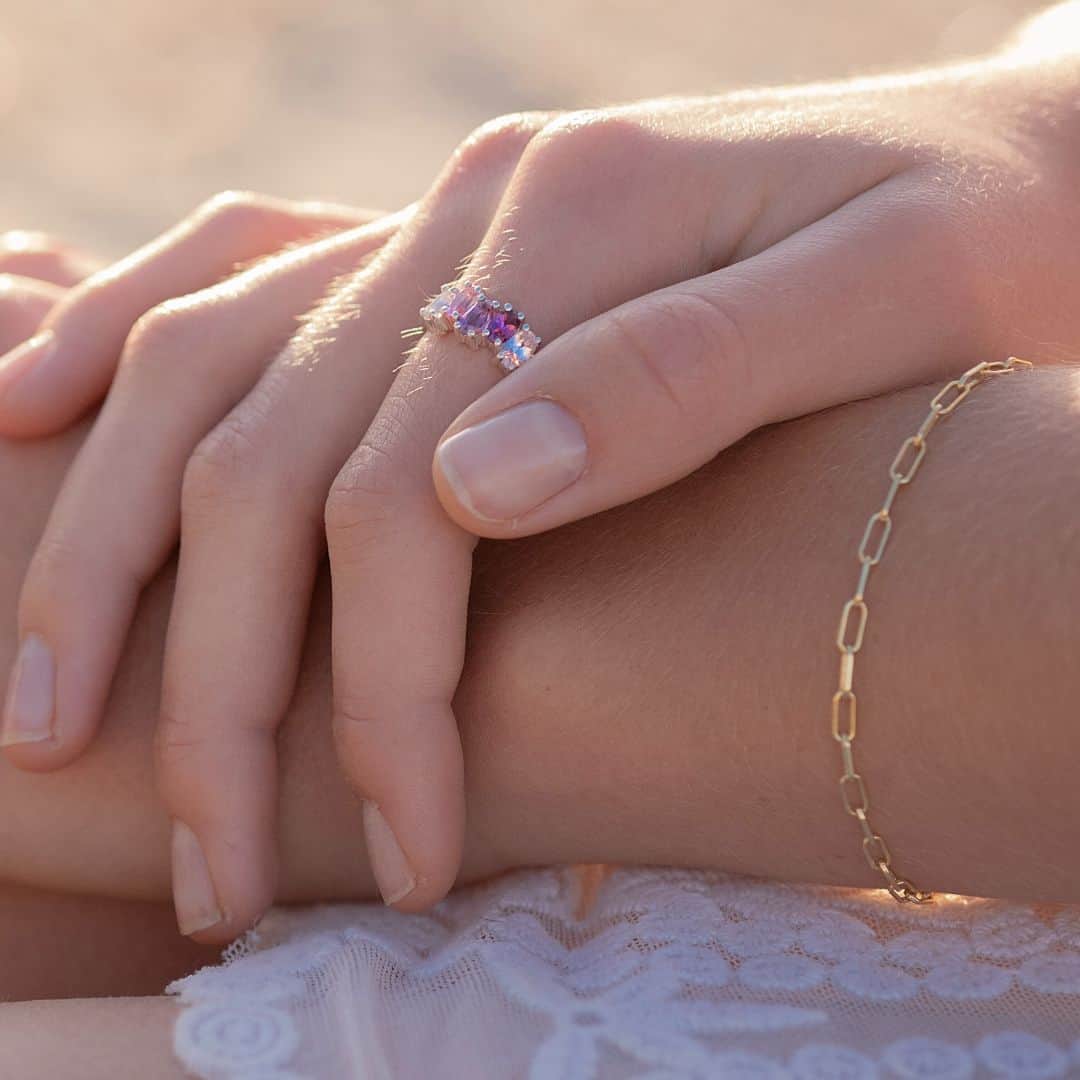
(853, 618)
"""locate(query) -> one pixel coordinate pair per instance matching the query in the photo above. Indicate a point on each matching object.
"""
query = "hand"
(79, 338)
(180, 367)
(742, 226)
(704, 268)
(67, 367)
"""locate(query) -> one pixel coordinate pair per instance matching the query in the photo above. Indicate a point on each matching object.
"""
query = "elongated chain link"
(855, 613)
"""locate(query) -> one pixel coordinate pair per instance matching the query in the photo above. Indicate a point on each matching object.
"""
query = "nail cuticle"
(507, 466)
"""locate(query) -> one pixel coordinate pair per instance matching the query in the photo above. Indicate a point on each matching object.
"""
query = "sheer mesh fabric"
(652, 974)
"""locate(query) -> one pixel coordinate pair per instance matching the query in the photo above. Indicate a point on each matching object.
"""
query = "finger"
(36, 255)
(640, 396)
(400, 568)
(252, 539)
(54, 377)
(24, 302)
(116, 517)
(325, 389)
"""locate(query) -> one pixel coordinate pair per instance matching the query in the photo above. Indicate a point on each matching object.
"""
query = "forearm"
(653, 685)
(679, 711)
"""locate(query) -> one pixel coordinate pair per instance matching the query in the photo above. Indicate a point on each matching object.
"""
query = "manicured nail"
(23, 358)
(28, 712)
(506, 466)
(393, 874)
(193, 890)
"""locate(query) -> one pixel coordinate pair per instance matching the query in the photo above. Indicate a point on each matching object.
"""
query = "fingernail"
(193, 890)
(28, 712)
(393, 874)
(506, 466)
(23, 358)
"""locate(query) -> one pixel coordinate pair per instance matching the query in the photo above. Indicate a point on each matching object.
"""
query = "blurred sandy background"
(119, 115)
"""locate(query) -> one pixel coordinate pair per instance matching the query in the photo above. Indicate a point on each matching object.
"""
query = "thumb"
(644, 394)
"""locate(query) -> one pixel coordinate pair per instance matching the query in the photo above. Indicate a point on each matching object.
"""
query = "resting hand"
(702, 267)
(172, 369)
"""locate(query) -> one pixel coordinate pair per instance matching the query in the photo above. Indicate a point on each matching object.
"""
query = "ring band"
(467, 311)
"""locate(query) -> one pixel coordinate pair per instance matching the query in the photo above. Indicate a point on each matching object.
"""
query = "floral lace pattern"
(666, 974)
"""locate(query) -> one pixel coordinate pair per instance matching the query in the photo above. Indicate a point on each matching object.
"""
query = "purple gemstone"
(503, 325)
(464, 299)
(476, 318)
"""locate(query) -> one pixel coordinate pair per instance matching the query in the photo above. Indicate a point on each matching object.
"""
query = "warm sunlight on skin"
(19, 240)
(270, 419)
(1048, 34)
(303, 604)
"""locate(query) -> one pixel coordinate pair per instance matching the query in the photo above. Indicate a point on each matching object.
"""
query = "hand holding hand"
(699, 267)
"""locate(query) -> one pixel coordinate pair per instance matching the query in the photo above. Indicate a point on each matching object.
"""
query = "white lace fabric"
(664, 974)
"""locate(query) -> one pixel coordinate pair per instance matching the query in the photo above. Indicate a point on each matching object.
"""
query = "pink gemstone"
(476, 318)
(434, 314)
(465, 298)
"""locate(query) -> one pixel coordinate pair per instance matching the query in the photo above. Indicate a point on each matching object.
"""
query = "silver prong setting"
(468, 311)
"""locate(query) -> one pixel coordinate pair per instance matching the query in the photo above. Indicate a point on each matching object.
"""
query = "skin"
(618, 675)
(611, 627)
(922, 236)
(612, 711)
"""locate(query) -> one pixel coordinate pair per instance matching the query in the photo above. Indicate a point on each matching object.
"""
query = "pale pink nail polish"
(507, 465)
(393, 874)
(196, 902)
(28, 711)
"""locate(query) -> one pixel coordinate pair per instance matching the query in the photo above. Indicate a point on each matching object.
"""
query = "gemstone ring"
(465, 310)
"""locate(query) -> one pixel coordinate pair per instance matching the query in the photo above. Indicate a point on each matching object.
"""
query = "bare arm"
(652, 685)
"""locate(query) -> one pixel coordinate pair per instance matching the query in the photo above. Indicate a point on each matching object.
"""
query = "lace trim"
(685, 975)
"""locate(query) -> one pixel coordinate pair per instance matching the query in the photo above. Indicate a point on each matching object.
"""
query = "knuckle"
(174, 735)
(500, 140)
(389, 474)
(577, 145)
(164, 335)
(58, 562)
(234, 213)
(689, 350)
(361, 501)
(177, 743)
(353, 713)
(575, 163)
(64, 565)
(490, 152)
(228, 466)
